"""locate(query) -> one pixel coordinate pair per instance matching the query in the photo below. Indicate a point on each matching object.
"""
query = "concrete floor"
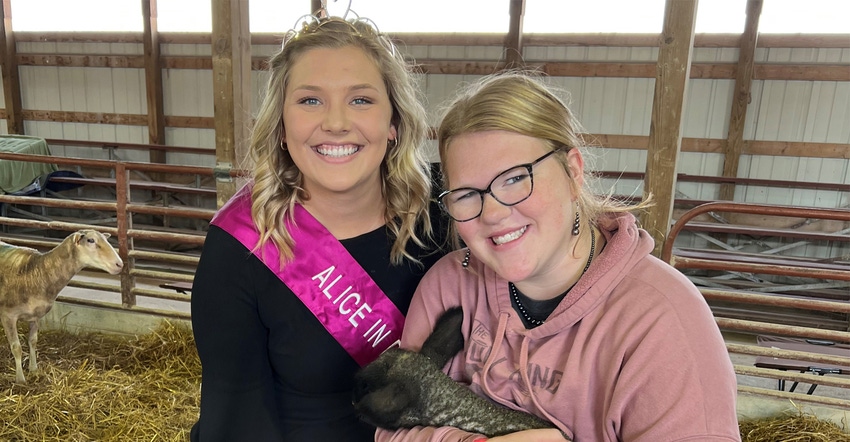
(77, 318)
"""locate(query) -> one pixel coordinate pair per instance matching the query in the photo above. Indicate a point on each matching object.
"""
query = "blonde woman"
(308, 271)
(567, 315)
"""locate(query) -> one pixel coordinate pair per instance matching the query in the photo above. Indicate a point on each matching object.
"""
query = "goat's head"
(391, 387)
(95, 251)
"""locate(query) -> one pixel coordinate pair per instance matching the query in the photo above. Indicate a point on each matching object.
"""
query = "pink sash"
(325, 277)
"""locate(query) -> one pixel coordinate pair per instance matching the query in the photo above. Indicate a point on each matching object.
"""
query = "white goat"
(30, 281)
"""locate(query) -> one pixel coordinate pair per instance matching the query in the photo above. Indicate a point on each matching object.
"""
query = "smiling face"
(336, 117)
(530, 241)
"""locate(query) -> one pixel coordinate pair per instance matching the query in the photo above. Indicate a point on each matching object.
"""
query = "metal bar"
(160, 294)
(55, 225)
(64, 204)
(772, 373)
(117, 307)
(775, 300)
(168, 257)
(167, 236)
(821, 358)
(186, 212)
(757, 209)
(168, 276)
(770, 269)
(795, 397)
(95, 286)
(782, 330)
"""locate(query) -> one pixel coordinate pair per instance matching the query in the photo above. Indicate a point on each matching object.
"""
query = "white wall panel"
(440, 89)
(779, 110)
(708, 104)
(39, 87)
(618, 160)
(823, 170)
(186, 49)
(715, 55)
(188, 92)
(577, 53)
(188, 137)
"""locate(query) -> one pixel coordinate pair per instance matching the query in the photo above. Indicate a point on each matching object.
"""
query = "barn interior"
(740, 134)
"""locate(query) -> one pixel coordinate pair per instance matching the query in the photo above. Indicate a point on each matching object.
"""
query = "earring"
(576, 225)
(392, 143)
(282, 146)
(465, 262)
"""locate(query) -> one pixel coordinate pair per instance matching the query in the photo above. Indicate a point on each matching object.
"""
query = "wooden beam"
(741, 98)
(611, 141)
(11, 80)
(231, 56)
(81, 60)
(822, 41)
(665, 130)
(86, 117)
(153, 80)
(513, 41)
(613, 69)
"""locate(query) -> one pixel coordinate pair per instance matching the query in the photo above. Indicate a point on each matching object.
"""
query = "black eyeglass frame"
(482, 192)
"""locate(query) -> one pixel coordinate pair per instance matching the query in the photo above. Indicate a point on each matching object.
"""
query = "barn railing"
(127, 285)
(123, 208)
(807, 353)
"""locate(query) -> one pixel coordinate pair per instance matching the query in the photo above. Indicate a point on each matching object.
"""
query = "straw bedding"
(792, 427)
(99, 387)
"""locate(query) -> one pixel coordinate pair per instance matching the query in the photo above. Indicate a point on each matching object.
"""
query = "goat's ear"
(446, 339)
(105, 235)
(78, 237)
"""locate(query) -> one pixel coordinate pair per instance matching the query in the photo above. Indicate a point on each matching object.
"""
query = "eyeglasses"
(509, 188)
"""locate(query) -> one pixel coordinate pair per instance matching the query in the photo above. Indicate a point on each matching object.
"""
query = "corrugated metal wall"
(816, 111)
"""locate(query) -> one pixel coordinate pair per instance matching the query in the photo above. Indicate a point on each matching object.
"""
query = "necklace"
(536, 322)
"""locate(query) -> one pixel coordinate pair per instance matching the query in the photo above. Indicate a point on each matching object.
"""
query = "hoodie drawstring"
(498, 337)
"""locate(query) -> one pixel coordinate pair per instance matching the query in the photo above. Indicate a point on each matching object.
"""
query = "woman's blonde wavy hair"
(519, 102)
(405, 172)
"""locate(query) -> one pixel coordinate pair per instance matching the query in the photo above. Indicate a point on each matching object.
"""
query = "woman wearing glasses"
(567, 315)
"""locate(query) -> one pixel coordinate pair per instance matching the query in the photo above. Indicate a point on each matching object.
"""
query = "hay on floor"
(792, 427)
(98, 387)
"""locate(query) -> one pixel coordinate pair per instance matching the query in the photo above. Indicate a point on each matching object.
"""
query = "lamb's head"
(394, 390)
(94, 250)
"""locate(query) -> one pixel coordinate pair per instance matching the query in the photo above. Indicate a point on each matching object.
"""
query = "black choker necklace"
(521, 308)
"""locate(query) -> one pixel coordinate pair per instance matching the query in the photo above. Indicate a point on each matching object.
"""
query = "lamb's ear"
(446, 339)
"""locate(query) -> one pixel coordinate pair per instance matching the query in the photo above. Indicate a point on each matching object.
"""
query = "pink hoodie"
(631, 354)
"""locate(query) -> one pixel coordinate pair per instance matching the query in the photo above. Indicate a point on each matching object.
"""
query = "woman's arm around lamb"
(420, 433)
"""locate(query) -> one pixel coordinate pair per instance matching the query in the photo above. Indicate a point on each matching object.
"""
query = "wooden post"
(124, 223)
(11, 81)
(153, 81)
(741, 99)
(231, 57)
(513, 41)
(665, 131)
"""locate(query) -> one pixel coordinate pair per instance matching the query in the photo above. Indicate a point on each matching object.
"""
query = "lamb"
(403, 389)
(30, 281)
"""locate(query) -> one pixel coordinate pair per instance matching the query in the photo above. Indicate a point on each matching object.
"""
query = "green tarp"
(15, 175)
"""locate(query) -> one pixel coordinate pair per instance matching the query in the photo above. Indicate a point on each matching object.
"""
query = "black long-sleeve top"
(271, 372)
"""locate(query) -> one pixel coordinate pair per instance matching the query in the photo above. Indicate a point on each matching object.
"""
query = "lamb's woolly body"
(30, 281)
(403, 389)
